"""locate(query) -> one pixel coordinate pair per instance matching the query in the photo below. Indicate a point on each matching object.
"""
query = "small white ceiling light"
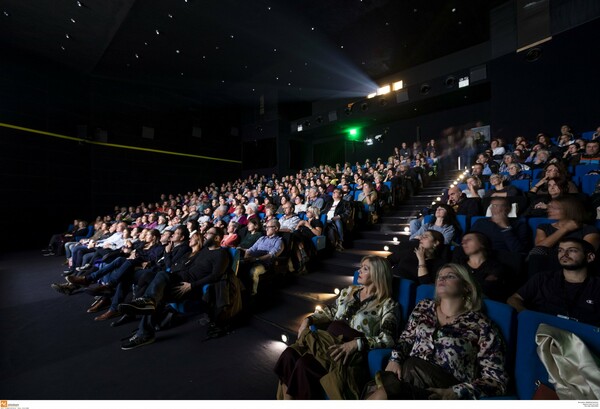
(397, 85)
(336, 291)
(386, 248)
(284, 338)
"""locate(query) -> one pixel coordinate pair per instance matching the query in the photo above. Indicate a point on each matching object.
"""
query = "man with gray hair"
(314, 199)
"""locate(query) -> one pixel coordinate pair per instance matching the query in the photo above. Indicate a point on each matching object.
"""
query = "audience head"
(500, 206)
(592, 148)
(272, 227)
(566, 208)
(376, 271)
(454, 281)
(574, 253)
(313, 211)
(476, 243)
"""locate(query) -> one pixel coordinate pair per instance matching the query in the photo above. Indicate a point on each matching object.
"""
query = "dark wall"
(559, 88)
(49, 181)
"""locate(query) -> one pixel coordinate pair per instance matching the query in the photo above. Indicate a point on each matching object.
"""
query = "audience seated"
(509, 234)
(419, 259)
(261, 255)
(572, 291)
(444, 222)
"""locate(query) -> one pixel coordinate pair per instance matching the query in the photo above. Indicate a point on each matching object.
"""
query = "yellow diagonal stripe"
(114, 145)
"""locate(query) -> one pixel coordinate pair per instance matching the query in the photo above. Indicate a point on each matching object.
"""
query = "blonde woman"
(363, 316)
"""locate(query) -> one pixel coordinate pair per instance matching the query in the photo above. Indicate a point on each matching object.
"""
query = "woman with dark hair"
(557, 187)
(569, 214)
(363, 317)
(420, 263)
(253, 233)
(497, 188)
(445, 222)
(552, 170)
(476, 257)
(447, 339)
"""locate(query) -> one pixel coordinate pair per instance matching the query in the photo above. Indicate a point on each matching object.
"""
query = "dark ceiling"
(231, 50)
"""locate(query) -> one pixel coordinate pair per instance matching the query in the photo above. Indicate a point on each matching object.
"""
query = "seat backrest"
(235, 256)
(462, 221)
(356, 193)
(522, 184)
(537, 173)
(588, 183)
(528, 368)
(428, 218)
(533, 223)
(581, 170)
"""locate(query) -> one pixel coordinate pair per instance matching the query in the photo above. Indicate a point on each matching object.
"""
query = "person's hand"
(570, 225)
(439, 393)
(420, 253)
(541, 205)
(343, 351)
(183, 288)
(169, 247)
(394, 367)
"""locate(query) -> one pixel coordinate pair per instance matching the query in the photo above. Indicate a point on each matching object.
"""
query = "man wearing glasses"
(263, 252)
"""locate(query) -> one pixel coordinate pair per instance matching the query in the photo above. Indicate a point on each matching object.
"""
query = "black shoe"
(67, 272)
(142, 306)
(136, 341)
(125, 319)
(65, 288)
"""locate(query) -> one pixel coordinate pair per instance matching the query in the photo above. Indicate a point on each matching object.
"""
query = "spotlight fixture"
(73, 20)
(425, 88)
(533, 54)
(383, 90)
(284, 338)
(379, 138)
(364, 106)
(79, 4)
(306, 124)
(397, 85)
(67, 36)
(348, 111)
(157, 31)
(319, 119)
(369, 141)
(382, 102)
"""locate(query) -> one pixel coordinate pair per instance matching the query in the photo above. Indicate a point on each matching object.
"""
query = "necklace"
(449, 317)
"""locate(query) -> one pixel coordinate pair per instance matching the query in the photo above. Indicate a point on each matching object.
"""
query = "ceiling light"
(454, 10)
(397, 85)
(180, 73)
(336, 291)
(137, 56)
(67, 36)
(145, 43)
(372, 95)
(284, 338)
(157, 31)
(231, 36)
(383, 90)
(274, 50)
(170, 15)
(450, 81)
(73, 20)
(62, 47)
(177, 51)
(364, 106)
(300, 128)
(341, 46)
(369, 141)
(269, 8)
(312, 29)
(425, 88)
(79, 4)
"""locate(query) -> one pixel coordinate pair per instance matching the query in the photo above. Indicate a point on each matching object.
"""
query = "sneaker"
(83, 267)
(50, 253)
(137, 341)
(142, 306)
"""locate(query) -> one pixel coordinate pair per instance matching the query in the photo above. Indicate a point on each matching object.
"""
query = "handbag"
(417, 375)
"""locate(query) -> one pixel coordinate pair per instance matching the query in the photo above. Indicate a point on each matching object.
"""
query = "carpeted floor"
(52, 349)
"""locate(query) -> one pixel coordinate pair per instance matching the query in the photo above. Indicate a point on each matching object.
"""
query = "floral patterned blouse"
(470, 349)
(377, 320)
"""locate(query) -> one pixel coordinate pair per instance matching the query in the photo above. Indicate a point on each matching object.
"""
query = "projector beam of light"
(333, 75)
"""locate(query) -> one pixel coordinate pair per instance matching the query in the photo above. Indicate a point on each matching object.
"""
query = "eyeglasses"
(450, 277)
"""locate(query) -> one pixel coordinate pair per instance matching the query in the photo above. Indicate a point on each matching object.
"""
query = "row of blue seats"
(518, 331)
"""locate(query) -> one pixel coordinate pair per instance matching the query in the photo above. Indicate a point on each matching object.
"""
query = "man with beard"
(571, 293)
(208, 266)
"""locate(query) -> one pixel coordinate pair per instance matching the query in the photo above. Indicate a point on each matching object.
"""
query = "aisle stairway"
(289, 305)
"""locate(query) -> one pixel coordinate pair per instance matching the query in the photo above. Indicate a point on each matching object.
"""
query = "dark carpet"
(52, 349)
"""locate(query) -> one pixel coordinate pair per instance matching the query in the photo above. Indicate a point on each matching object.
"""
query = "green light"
(353, 134)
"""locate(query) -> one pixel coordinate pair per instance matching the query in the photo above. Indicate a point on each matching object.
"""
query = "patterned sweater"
(379, 321)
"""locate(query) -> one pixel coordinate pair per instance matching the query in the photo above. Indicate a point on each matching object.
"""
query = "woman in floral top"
(370, 318)
(451, 333)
